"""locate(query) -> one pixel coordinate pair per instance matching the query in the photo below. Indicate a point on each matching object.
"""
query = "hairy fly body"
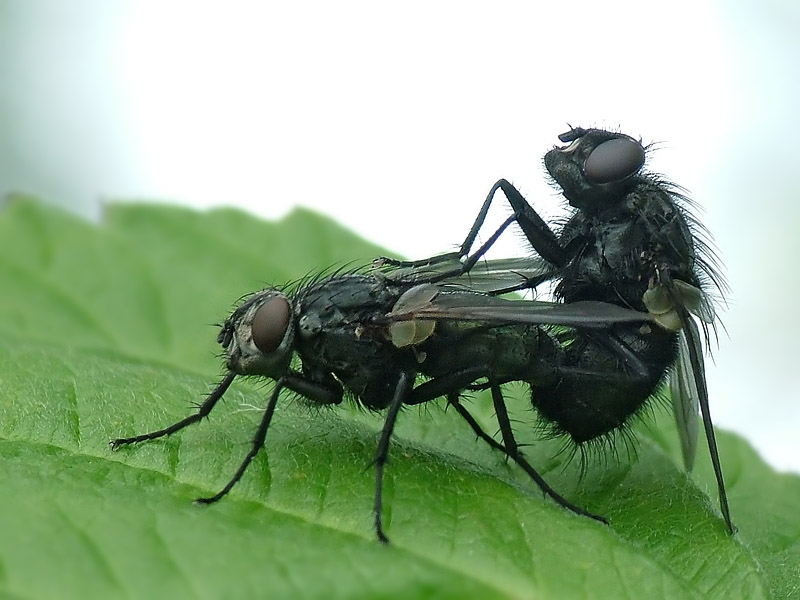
(359, 335)
(629, 241)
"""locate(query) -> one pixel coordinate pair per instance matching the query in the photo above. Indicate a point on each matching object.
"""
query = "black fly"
(629, 241)
(364, 336)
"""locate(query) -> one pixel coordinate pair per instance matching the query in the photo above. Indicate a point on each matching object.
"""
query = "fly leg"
(462, 266)
(401, 392)
(295, 382)
(258, 443)
(448, 385)
(511, 449)
(203, 411)
(539, 234)
(310, 389)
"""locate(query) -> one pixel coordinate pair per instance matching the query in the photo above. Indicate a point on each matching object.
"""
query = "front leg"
(202, 411)
(312, 390)
(542, 239)
(539, 234)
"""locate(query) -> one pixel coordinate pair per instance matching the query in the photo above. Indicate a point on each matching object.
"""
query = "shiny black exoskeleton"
(359, 335)
(627, 235)
(629, 241)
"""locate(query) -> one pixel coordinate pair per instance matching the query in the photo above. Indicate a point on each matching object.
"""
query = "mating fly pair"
(629, 266)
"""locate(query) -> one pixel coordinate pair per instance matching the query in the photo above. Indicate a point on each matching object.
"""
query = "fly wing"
(429, 302)
(488, 276)
(685, 397)
(697, 381)
(504, 275)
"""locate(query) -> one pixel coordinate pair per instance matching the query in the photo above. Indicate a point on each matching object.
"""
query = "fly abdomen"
(502, 353)
(597, 390)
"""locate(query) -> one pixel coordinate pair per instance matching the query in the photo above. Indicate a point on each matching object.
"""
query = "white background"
(396, 118)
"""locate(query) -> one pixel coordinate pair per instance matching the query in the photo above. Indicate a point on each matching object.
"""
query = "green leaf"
(106, 333)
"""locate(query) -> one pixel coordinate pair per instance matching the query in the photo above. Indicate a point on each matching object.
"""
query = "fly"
(364, 336)
(629, 241)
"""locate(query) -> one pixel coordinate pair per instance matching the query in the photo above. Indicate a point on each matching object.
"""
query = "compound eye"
(270, 324)
(614, 160)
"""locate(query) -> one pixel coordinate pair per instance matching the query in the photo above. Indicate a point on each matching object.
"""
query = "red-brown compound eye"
(614, 160)
(270, 324)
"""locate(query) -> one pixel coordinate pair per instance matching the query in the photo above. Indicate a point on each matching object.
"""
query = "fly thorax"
(309, 325)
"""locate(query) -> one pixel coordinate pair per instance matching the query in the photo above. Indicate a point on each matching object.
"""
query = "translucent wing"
(691, 363)
(488, 276)
(685, 399)
(506, 274)
(429, 302)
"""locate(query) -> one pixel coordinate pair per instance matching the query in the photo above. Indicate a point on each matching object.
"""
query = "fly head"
(258, 337)
(596, 167)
